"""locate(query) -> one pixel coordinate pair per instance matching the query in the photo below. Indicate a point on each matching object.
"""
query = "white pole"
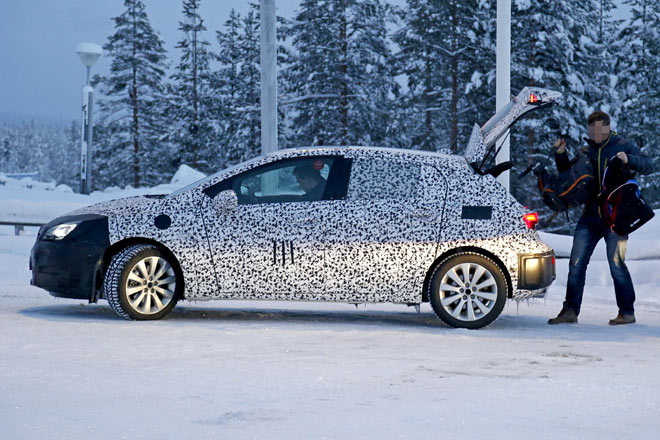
(268, 77)
(86, 140)
(88, 53)
(503, 76)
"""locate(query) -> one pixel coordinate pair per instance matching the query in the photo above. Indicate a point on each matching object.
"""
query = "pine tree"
(603, 47)
(52, 151)
(447, 50)
(226, 85)
(638, 72)
(191, 101)
(340, 78)
(236, 87)
(551, 48)
(247, 108)
(132, 126)
(479, 67)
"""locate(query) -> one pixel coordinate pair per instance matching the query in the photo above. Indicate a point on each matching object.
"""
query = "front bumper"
(536, 271)
(67, 268)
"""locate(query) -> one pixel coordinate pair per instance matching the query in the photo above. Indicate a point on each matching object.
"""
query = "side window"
(373, 179)
(293, 180)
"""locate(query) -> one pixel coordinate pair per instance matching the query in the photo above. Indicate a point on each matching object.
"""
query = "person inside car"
(310, 181)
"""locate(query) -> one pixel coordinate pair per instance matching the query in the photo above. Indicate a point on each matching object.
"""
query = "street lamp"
(88, 53)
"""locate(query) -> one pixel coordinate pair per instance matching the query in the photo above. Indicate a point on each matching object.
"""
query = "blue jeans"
(588, 233)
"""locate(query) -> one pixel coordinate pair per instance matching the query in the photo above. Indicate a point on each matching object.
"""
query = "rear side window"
(373, 179)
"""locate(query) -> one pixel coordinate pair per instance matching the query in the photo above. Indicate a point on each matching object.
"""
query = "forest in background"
(355, 72)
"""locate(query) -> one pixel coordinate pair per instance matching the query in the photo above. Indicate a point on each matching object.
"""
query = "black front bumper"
(67, 268)
(536, 271)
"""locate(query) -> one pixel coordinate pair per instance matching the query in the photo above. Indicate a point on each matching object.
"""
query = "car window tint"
(383, 179)
(295, 180)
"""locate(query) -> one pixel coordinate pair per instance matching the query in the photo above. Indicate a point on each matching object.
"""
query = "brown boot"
(566, 316)
(622, 319)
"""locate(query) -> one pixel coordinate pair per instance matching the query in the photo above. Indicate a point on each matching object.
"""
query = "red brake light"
(531, 220)
(533, 98)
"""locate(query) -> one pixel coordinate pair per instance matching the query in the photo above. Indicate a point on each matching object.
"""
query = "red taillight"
(533, 99)
(531, 220)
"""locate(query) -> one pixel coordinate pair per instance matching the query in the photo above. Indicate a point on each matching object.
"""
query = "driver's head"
(307, 177)
(598, 126)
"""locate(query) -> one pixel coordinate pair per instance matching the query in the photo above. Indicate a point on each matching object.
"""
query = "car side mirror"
(225, 202)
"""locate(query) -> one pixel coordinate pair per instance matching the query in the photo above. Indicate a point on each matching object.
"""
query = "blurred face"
(598, 132)
(306, 183)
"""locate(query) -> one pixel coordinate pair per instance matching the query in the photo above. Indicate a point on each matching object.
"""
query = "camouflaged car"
(346, 224)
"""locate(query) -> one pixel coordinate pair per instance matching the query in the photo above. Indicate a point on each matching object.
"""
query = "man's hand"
(560, 145)
(621, 155)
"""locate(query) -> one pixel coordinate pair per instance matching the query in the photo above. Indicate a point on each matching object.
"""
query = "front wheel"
(468, 290)
(141, 283)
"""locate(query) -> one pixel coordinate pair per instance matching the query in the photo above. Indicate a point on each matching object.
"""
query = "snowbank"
(643, 244)
(27, 200)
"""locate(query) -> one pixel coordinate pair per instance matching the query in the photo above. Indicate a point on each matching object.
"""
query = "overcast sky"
(40, 73)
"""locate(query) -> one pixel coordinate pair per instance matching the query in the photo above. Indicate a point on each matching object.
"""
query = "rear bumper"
(536, 271)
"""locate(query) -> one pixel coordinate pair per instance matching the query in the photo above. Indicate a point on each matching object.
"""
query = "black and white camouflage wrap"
(481, 138)
(402, 212)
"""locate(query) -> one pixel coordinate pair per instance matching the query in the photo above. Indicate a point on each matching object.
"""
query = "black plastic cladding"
(67, 267)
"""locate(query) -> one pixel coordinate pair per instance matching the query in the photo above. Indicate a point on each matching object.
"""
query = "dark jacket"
(600, 155)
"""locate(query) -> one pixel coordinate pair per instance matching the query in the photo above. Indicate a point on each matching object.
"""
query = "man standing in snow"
(603, 146)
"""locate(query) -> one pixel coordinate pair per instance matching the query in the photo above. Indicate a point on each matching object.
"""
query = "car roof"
(330, 149)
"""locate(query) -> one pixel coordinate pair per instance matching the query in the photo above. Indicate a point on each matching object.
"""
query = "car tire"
(142, 283)
(470, 303)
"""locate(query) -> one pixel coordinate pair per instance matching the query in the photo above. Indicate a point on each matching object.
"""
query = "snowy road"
(301, 370)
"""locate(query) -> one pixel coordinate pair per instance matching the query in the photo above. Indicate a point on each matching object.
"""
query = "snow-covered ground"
(237, 370)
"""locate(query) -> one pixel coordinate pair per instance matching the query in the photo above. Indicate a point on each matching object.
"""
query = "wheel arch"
(113, 249)
(461, 250)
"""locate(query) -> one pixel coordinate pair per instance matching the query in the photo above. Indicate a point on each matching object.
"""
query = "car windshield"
(211, 177)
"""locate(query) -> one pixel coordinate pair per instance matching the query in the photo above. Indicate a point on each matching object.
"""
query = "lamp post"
(88, 53)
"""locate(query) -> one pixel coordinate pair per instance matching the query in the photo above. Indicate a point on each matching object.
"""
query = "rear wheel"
(468, 290)
(142, 283)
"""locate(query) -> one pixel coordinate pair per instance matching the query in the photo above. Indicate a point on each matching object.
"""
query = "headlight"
(58, 232)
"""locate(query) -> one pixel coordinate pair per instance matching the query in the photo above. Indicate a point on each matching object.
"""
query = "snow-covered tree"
(130, 120)
(226, 86)
(237, 87)
(191, 101)
(638, 73)
(52, 151)
(447, 55)
(602, 47)
(340, 77)
(552, 47)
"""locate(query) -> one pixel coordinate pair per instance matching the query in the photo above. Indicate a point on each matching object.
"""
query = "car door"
(272, 244)
(382, 239)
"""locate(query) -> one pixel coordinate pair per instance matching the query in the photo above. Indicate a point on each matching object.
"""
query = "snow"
(642, 244)
(91, 48)
(26, 200)
(185, 175)
(279, 370)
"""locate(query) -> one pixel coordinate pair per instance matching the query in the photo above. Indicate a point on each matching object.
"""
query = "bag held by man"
(569, 188)
(621, 203)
